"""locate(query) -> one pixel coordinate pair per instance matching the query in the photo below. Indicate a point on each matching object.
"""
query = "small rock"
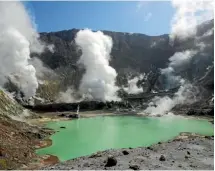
(72, 116)
(63, 127)
(24, 166)
(86, 165)
(186, 157)
(173, 161)
(159, 142)
(162, 158)
(111, 161)
(188, 152)
(130, 148)
(125, 152)
(62, 115)
(134, 167)
(149, 148)
(179, 165)
(39, 136)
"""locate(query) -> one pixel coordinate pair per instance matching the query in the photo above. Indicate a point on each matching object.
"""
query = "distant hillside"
(131, 53)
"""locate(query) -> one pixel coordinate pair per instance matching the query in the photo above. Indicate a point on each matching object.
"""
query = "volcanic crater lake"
(85, 136)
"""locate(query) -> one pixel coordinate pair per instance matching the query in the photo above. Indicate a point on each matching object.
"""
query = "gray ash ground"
(188, 152)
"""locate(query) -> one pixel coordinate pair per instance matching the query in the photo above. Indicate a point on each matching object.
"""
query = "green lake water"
(88, 135)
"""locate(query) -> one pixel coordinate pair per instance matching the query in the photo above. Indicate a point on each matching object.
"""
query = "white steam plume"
(99, 80)
(176, 63)
(68, 96)
(189, 13)
(185, 94)
(17, 39)
(162, 105)
(51, 48)
(132, 85)
(14, 14)
(181, 58)
(14, 54)
(40, 68)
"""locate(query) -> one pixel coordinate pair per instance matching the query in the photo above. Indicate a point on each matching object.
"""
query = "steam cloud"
(185, 94)
(161, 106)
(18, 39)
(132, 85)
(42, 70)
(189, 13)
(98, 82)
(176, 63)
(69, 96)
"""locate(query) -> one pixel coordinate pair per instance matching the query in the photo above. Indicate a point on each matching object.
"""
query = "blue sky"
(152, 18)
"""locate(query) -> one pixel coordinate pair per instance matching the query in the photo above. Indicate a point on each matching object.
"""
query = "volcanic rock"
(125, 152)
(72, 116)
(134, 167)
(162, 158)
(111, 161)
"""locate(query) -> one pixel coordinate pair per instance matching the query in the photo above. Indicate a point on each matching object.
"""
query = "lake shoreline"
(75, 163)
(186, 151)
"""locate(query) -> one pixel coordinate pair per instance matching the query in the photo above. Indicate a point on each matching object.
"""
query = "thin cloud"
(148, 16)
(140, 5)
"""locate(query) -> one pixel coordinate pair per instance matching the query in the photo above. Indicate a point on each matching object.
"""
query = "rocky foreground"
(17, 143)
(20, 138)
(185, 152)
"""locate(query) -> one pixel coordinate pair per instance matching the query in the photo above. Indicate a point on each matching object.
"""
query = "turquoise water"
(87, 135)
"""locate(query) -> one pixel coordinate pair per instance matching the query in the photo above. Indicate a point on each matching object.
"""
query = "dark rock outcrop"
(201, 112)
(73, 116)
(84, 105)
(111, 161)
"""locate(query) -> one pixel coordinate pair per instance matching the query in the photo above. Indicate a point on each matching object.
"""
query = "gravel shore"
(184, 152)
